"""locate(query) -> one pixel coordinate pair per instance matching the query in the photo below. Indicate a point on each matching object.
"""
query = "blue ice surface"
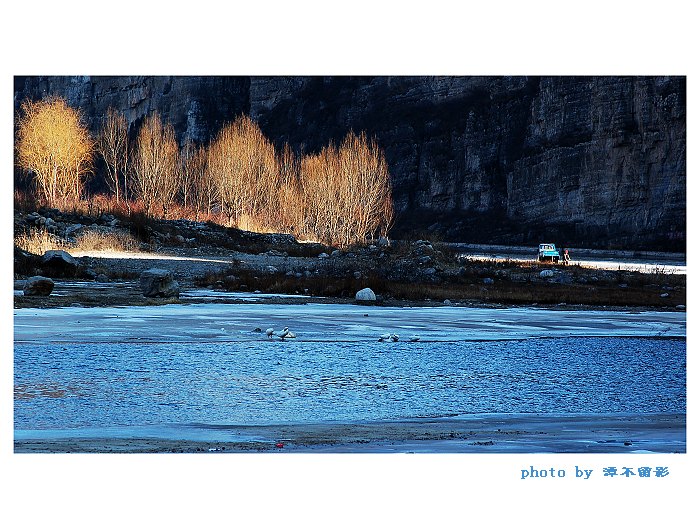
(127, 388)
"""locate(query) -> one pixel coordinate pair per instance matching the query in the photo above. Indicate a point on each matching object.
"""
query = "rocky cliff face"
(589, 161)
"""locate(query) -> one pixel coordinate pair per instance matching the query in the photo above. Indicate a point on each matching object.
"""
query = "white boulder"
(366, 294)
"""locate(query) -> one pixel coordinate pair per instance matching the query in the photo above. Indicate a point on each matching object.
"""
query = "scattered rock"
(664, 295)
(323, 255)
(73, 229)
(680, 307)
(357, 275)
(59, 263)
(447, 302)
(488, 281)
(102, 278)
(383, 242)
(157, 282)
(422, 248)
(547, 273)
(366, 294)
(38, 286)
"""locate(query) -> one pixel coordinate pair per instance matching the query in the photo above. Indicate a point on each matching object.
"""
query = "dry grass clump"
(115, 241)
(39, 241)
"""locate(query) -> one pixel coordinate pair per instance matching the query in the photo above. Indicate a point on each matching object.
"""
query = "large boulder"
(58, 263)
(158, 283)
(366, 294)
(38, 286)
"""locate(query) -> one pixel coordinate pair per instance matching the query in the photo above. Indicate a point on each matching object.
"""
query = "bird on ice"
(394, 337)
(384, 337)
(269, 332)
(413, 338)
(284, 333)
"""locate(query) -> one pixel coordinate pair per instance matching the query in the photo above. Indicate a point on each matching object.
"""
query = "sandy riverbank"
(515, 433)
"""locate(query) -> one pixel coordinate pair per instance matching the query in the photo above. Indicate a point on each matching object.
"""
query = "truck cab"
(548, 252)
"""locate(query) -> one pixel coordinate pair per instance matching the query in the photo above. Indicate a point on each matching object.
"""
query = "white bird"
(291, 335)
(284, 333)
(384, 337)
(394, 337)
(413, 338)
(269, 332)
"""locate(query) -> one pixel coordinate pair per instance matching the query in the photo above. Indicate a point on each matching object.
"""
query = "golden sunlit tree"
(112, 143)
(365, 177)
(54, 146)
(286, 206)
(243, 163)
(347, 192)
(198, 188)
(155, 165)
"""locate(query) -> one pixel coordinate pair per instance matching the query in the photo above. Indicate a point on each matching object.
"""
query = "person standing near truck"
(567, 259)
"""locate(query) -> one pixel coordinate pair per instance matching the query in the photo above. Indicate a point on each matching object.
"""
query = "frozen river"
(322, 322)
(198, 370)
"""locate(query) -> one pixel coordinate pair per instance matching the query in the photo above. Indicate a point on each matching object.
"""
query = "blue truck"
(548, 253)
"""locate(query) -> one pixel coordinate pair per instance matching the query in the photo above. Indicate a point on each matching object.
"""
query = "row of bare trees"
(339, 196)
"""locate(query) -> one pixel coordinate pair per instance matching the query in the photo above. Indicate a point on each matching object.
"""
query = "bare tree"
(112, 144)
(287, 205)
(54, 146)
(198, 188)
(155, 165)
(243, 163)
(347, 192)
